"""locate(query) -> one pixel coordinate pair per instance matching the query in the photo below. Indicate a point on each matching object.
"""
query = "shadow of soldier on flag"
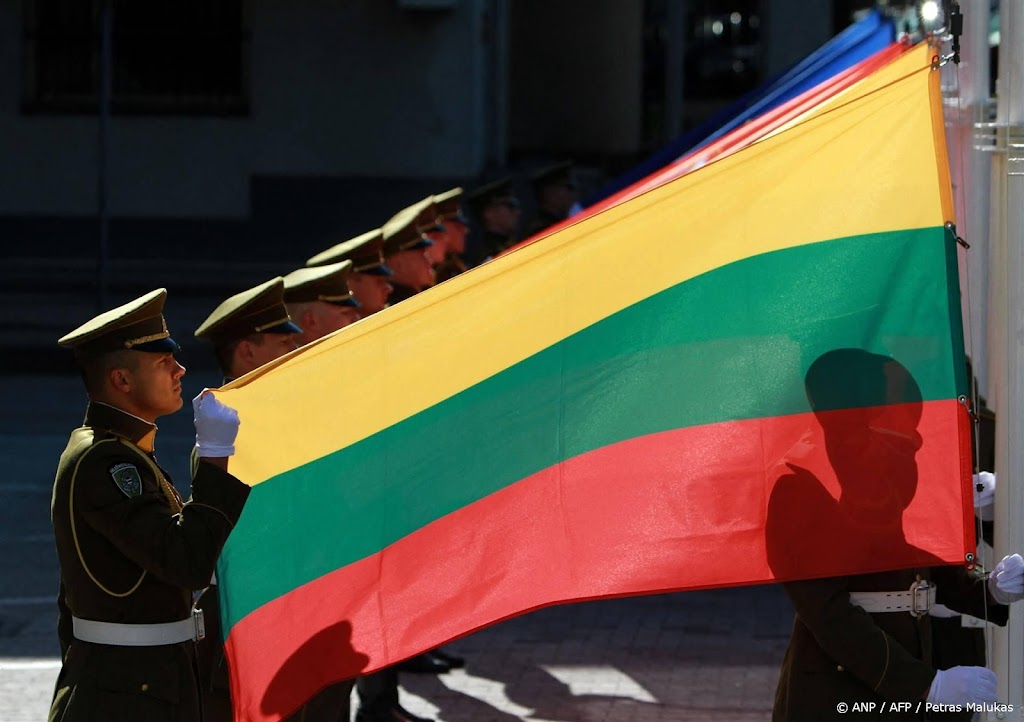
(840, 501)
(298, 679)
(861, 590)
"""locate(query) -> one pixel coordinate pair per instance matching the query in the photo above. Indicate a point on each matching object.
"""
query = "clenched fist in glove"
(1006, 582)
(963, 685)
(216, 426)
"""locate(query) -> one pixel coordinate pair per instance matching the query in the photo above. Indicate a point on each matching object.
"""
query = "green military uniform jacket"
(838, 653)
(131, 553)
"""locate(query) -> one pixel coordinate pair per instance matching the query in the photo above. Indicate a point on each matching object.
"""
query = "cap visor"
(286, 327)
(162, 345)
(380, 270)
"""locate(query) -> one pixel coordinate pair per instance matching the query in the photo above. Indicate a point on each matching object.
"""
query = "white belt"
(917, 600)
(141, 635)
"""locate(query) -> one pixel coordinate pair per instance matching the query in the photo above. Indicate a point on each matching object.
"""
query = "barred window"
(174, 57)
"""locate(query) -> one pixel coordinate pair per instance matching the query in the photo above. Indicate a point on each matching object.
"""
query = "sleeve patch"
(127, 478)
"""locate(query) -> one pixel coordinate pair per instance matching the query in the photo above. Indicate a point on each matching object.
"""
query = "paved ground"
(697, 656)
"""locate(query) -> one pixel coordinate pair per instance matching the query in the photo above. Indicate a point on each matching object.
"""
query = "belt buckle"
(920, 598)
(200, 625)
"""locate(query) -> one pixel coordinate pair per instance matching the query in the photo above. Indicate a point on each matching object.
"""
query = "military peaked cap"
(365, 251)
(557, 174)
(137, 326)
(497, 192)
(258, 310)
(320, 283)
(448, 206)
(406, 230)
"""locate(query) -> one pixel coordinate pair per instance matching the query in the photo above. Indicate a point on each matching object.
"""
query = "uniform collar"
(128, 426)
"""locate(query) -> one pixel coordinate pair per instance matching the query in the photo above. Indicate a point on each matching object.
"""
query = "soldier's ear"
(243, 351)
(120, 379)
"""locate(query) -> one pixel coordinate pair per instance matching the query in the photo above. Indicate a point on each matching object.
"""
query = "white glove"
(1006, 582)
(984, 495)
(216, 426)
(963, 685)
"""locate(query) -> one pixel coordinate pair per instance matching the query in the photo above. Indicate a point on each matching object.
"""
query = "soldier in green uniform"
(866, 638)
(370, 277)
(405, 244)
(497, 210)
(369, 280)
(247, 330)
(439, 218)
(449, 249)
(250, 329)
(555, 190)
(958, 639)
(320, 300)
(130, 551)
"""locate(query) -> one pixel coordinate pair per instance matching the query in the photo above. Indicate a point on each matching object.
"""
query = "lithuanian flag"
(748, 374)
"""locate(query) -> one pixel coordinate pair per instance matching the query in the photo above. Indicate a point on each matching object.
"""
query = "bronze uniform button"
(839, 668)
(145, 687)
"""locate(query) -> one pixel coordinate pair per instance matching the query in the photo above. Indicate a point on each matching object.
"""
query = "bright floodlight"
(929, 11)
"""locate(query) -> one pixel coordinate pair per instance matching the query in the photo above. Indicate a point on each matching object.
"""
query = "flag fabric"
(608, 411)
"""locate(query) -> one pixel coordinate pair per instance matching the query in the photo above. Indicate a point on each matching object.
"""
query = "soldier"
(250, 329)
(369, 281)
(405, 243)
(497, 210)
(369, 277)
(555, 190)
(449, 248)
(247, 330)
(960, 639)
(866, 638)
(131, 553)
(320, 300)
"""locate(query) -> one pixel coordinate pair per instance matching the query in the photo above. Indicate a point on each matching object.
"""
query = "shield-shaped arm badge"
(127, 478)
